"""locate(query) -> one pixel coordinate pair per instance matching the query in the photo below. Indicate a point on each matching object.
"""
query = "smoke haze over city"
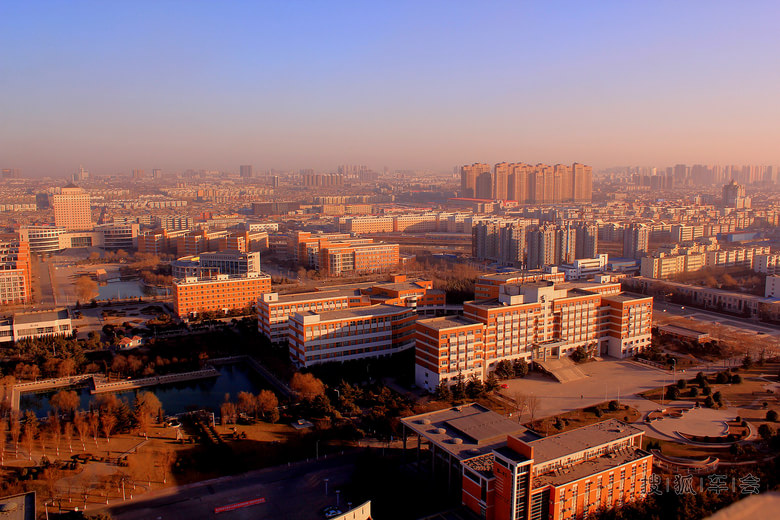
(178, 85)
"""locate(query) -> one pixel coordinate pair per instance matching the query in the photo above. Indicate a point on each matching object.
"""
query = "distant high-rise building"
(500, 240)
(246, 171)
(72, 209)
(80, 175)
(680, 174)
(565, 244)
(587, 240)
(156, 173)
(139, 174)
(734, 196)
(501, 181)
(11, 173)
(468, 179)
(582, 178)
(539, 184)
(484, 186)
(636, 239)
(541, 246)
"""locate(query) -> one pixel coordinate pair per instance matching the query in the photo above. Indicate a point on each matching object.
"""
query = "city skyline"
(180, 85)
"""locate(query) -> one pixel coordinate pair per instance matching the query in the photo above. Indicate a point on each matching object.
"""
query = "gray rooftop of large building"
(316, 295)
(446, 322)
(36, 316)
(369, 311)
(467, 431)
(626, 297)
(589, 467)
(587, 437)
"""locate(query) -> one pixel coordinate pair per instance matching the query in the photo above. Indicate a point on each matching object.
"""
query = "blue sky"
(176, 85)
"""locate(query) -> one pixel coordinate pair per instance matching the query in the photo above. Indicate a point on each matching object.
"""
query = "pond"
(126, 289)
(175, 397)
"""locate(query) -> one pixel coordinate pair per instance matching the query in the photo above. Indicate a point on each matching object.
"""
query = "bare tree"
(307, 386)
(3, 433)
(247, 403)
(68, 434)
(54, 431)
(166, 458)
(16, 430)
(94, 426)
(266, 402)
(82, 427)
(28, 439)
(65, 401)
(532, 402)
(520, 401)
(108, 422)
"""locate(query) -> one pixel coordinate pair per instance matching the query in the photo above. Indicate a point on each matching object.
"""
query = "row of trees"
(264, 405)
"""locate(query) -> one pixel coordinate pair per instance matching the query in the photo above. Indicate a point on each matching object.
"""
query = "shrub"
(717, 397)
(736, 379)
(693, 392)
(722, 378)
(674, 393)
(598, 412)
(613, 405)
(708, 402)
(681, 384)
(706, 390)
(771, 415)
(766, 432)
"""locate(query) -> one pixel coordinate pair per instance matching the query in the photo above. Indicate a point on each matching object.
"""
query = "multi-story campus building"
(220, 293)
(274, 310)
(218, 262)
(72, 209)
(336, 254)
(36, 324)
(348, 334)
(15, 271)
(663, 265)
(488, 286)
(535, 321)
(767, 263)
(506, 472)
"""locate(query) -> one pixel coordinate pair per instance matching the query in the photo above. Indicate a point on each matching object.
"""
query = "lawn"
(582, 417)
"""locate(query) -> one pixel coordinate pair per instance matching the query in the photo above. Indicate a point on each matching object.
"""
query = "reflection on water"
(175, 397)
(127, 289)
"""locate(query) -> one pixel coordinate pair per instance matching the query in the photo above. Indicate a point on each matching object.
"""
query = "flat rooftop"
(683, 331)
(466, 431)
(588, 467)
(446, 322)
(588, 437)
(505, 277)
(626, 297)
(316, 295)
(36, 316)
(369, 311)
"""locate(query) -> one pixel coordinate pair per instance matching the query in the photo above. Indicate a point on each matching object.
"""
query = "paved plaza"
(609, 379)
(699, 421)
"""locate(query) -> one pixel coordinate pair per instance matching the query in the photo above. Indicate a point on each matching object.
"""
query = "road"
(715, 318)
(43, 273)
(297, 491)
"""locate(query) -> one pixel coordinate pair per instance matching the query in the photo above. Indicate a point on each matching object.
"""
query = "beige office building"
(71, 209)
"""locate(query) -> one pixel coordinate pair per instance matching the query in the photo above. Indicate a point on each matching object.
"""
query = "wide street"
(661, 308)
(296, 491)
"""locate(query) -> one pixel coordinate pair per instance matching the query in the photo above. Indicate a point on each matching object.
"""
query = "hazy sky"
(420, 84)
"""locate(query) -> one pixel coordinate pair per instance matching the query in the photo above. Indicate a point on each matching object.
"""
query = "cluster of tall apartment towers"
(526, 183)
